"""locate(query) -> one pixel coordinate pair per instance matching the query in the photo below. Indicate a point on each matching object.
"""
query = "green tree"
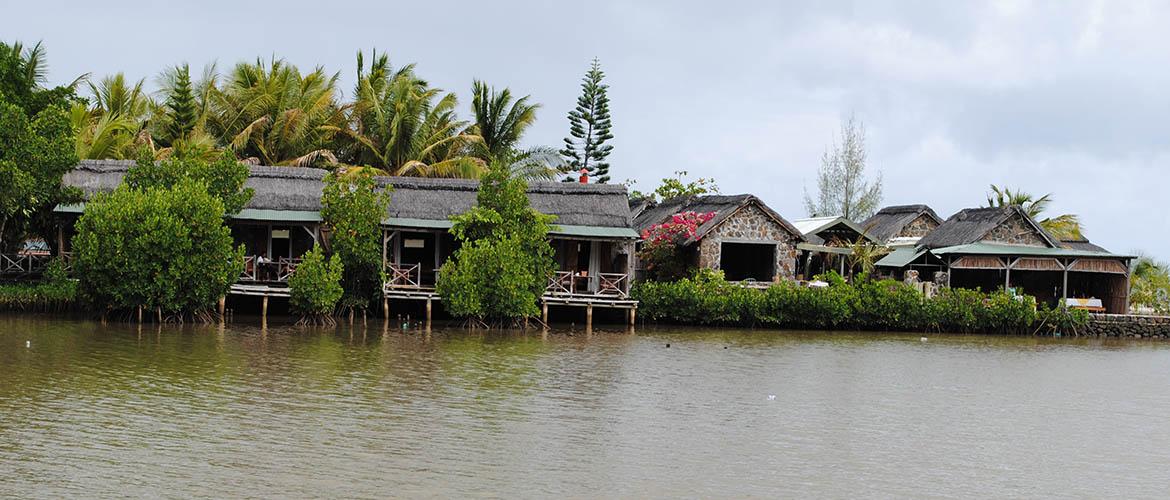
(504, 262)
(589, 128)
(182, 112)
(842, 188)
(161, 249)
(23, 73)
(113, 126)
(315, 287)
(224, 177)
(277, 116)
(353, 206)
(1062, 227)
(400, 125)
(500, 122)
(1150, 285)
(34, 155)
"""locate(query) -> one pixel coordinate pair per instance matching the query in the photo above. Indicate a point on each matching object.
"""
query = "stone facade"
(1015, 231)
(1128, 325)
(918, 227)
(751, 223)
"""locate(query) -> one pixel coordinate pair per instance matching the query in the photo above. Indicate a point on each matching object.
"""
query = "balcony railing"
(271, 271)
(23, 264)
(404, 276)
(616, 285)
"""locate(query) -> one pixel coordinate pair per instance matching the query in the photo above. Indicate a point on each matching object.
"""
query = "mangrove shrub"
(504, 262)
(159, 248)
(224, 177)
(353, 207)
(316, 286)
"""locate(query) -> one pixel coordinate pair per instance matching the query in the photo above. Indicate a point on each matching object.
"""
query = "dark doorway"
(748, 261)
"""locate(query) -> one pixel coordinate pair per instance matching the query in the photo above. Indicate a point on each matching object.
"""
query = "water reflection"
(374, 411)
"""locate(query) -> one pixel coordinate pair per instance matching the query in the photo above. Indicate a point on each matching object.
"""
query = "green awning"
(1021, 250)
(900, 257)
(594, 231)
(416, 223)
(278, 215)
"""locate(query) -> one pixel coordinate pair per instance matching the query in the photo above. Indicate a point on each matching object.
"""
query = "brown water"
(95, 411)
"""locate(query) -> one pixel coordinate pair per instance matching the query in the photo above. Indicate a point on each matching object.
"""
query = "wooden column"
(1064, 286)
(428, 311)
(633, 315)
(385, 307)
(222, 307)
(1007, 275)
(264, 309)
(61, 242)
(544, 312)
(589, 316)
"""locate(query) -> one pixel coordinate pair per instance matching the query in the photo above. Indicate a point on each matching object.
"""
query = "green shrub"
(315, 287)
(505, 261)
(55, 292)
(157, 248)
(353, 206)
(707, 298)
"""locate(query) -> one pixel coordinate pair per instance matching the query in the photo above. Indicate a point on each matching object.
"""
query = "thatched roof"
(722, 205)
(970, 225)
(299, 189)
(890, 221)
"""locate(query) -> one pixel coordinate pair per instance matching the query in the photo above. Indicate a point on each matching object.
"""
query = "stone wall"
(1128, 325)
(751, 223)
(918, 227)
(1015, 231)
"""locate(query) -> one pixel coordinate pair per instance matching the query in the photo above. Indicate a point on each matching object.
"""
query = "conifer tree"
(182, 109)
(589, 128)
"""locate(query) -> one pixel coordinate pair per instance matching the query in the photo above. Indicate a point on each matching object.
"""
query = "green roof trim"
(278, 215)
(594, 231)
(1021, 250)
(69, 208)
(417, 223)
(900, 257)
(812, 247)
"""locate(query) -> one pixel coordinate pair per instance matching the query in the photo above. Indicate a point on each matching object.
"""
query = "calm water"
(110, 411)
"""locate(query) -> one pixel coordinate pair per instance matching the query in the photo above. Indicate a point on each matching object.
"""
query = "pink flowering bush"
(663, 252)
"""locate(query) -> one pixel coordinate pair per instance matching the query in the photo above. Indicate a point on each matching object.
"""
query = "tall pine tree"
(589, 128)
(182, 111)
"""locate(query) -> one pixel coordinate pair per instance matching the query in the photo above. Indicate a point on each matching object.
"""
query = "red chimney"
(584, 176)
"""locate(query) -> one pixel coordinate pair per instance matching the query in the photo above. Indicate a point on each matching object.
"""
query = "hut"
(745, 238)
(1004, 248)
(829, 243)
(899, 228)
(592, 238)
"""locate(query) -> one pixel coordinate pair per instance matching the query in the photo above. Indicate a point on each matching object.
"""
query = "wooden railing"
(23, 264)
(403, 276)
(270, 271)
(607, 284)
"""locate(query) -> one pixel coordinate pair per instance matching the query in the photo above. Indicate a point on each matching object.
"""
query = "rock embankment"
(1128, 325)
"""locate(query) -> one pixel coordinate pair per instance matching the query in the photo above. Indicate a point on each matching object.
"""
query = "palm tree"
(401, 126)
(179, 124)
(1062, 227)
(114, 126)
(23, 73)
(272, 114)
(500, 123)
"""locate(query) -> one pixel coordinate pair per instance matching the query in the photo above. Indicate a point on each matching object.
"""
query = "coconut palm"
(401, 126)
(274, 115)
(23, 74)
(500, 121)
(114, 125)
(1062, 227)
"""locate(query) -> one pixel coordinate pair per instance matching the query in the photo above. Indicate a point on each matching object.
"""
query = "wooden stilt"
(633, 315)
(351, 316)
(264, 309)
(544, 312)
(140, 315)
(428, 312)
(222, 307)
(589, 316)
(386, 307)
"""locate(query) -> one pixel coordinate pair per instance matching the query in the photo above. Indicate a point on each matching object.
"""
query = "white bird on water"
(27, 344)
(771, 397)
(923, 339)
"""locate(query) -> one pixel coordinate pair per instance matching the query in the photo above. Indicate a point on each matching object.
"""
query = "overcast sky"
(1066, 97)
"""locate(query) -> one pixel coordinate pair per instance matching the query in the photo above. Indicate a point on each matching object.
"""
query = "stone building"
(745, 238)
(901, 224)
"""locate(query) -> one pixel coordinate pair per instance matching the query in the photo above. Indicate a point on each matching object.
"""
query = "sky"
(1066, 97)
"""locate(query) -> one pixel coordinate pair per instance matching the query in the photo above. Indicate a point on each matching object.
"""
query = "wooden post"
(588, 316)
(1064, 288)
(158, 312)
(386, 307)
(140, 315)
(1007, 275)
(222, 307)
(61, 242)
(633, 315)
(264, 309)
(544, 312)
(428, 311)
(351, 316)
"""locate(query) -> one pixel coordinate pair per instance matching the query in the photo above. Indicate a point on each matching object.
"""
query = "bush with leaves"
(315, 287)
(663, 254)
(353, 206)
(162, 249)
(505, 261)
(55, 292)
(224, 177)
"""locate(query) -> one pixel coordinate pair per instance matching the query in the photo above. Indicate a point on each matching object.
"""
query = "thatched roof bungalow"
(745, 238)
(901, 224)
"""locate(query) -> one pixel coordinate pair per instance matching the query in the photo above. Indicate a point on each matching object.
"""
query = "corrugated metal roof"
(998, 249)
(900, 257)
